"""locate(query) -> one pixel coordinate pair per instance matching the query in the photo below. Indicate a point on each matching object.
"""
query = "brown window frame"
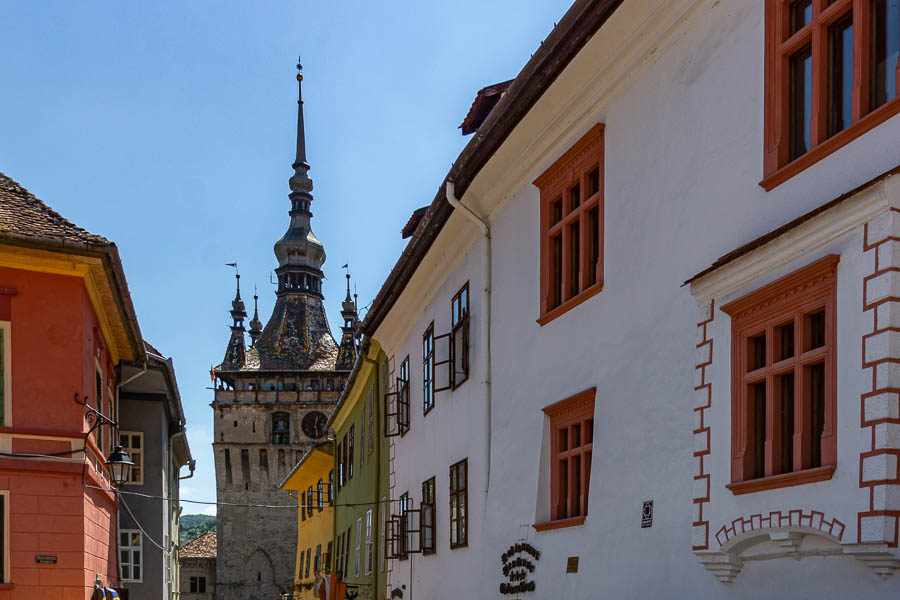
(277, 435)
(352, 433)
(459, 496)
(402, 533)
(571, 453)
(793, 300)
(784, 39)
(428, 516)
(459, 323)
(561, 218)
(428, 369)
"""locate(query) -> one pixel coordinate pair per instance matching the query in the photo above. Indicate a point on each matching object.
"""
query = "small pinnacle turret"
(347, 350)
(255, 323)
(236, 352)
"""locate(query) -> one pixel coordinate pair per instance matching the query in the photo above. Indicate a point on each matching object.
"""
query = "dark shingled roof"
(23, 214)
(202, 546)
(410, 228)
(485, 100)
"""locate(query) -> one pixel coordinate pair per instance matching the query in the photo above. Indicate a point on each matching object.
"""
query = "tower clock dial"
(313, 424)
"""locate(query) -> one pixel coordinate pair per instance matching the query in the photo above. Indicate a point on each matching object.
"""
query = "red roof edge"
(485, 100)
(410, 228)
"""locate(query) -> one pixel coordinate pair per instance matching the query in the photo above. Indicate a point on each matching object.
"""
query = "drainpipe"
(485, 229)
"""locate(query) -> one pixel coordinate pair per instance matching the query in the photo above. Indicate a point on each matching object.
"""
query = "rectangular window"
(356, 552)
(133, 443)
(350, 455)
(571, 448)
(428, 369)
(4, 536)
(371, 422)
(5, 373)
(281, 429)
(339, 449)
(362, 435)
(197, 585)
(403, 397)
(320, 493)
(308, 560)
(302, 563)
(571, 205)
(318, 563)
(459, 337)
(328, 556)
(830, 66)
(402, 547)
(381, 521)
(330, 487)
(347, 550)
(428, 517)
(459, 510)
(130, 555)
(369, 557)
(783, 357)
(309, 501)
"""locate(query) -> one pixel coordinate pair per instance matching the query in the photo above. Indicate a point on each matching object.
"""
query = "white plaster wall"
(684, 128)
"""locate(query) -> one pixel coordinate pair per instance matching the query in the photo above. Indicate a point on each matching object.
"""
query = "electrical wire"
(138, 523)
(237, 504)
(57, 455)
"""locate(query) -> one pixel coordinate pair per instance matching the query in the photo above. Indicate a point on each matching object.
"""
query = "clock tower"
(272, 400)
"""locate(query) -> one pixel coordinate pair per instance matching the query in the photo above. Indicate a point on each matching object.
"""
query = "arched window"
(281, 428)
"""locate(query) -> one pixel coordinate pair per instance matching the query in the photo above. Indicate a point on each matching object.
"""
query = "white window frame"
(139, 463)
(6, 379)
(368, 556)
(358, 541)
(131, 551)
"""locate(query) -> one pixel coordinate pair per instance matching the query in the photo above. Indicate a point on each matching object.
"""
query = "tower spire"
(255, 323)
(300, 181)
(235, 353)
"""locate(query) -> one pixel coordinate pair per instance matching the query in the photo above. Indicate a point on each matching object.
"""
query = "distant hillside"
(194, 525)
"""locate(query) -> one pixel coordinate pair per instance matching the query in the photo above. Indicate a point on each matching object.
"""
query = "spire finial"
(255, 323)
(300, 160)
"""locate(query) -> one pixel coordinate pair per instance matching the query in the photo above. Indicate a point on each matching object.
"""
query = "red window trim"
(787, 298)
(571, 168)
(777, 168)
(579, 407)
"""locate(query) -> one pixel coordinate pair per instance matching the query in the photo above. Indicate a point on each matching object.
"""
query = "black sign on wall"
(647, 514)
(518, 568)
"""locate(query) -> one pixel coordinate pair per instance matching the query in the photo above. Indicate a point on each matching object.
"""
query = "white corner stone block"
(881, 227)
(889, 254)
(701, 398)
(698, 377)
(879, 467)
(876, 529)
(705, 309)
(698, 535)
(701, 488)
(704, 354)
(887, 375)
(883, 345)
(886, 497)
(884, 286)
(888, 314)
(887, 436)
(701, 442)
(882, 406)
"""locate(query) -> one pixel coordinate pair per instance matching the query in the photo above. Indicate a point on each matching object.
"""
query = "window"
(320, 492)
(459, 337)
(370, 424)
(428, 517)
(5, 374)
(381, 521)
(331, 487)
(229, 483)
(245, 467)
(4, 536)
(341, 451)
(350, 455)
(831, 75)
(318, 563)
(362, 435)
(396, 414)
(309, 501)
(133, 443)
(328, 556)
(571, 445)
(459, 516)
(571, 202)
(783, 391)
(369, 557)
(428, 369)
(347, 549)
(402, 522)
(308, 561)
(130, 555)
(281, 429)
(197, 585)
(302, 563)
(356, 553)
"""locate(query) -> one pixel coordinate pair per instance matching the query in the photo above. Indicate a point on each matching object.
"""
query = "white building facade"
(627, 435)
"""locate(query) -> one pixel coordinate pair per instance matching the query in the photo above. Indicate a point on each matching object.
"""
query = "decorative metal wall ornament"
(518, 568)
(647, 514)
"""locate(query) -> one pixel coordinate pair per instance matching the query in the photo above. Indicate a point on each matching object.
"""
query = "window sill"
(6, 586)
(835, 142)
(780, 481)
(559, 524)
(570, 304)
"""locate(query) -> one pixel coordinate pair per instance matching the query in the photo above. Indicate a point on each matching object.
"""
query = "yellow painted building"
(311, 480)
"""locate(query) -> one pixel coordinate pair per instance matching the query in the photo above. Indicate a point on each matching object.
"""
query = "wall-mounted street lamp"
(118, 463)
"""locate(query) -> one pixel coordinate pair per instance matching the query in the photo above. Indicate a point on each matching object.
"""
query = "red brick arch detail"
(775, 519)
(703, 401)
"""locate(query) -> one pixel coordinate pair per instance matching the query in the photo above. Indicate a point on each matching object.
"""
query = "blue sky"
(169, 127)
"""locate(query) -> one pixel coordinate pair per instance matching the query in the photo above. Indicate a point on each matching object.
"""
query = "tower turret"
(347, 349)
(236, 351)
(255, 323)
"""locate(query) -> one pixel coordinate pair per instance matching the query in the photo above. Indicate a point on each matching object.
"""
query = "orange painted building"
(66, 324)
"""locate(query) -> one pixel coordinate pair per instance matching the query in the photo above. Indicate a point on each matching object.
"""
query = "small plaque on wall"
(647, 514)
(572, 564)
(45, 559)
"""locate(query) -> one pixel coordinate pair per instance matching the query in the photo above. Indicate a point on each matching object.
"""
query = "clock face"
(313, 424)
